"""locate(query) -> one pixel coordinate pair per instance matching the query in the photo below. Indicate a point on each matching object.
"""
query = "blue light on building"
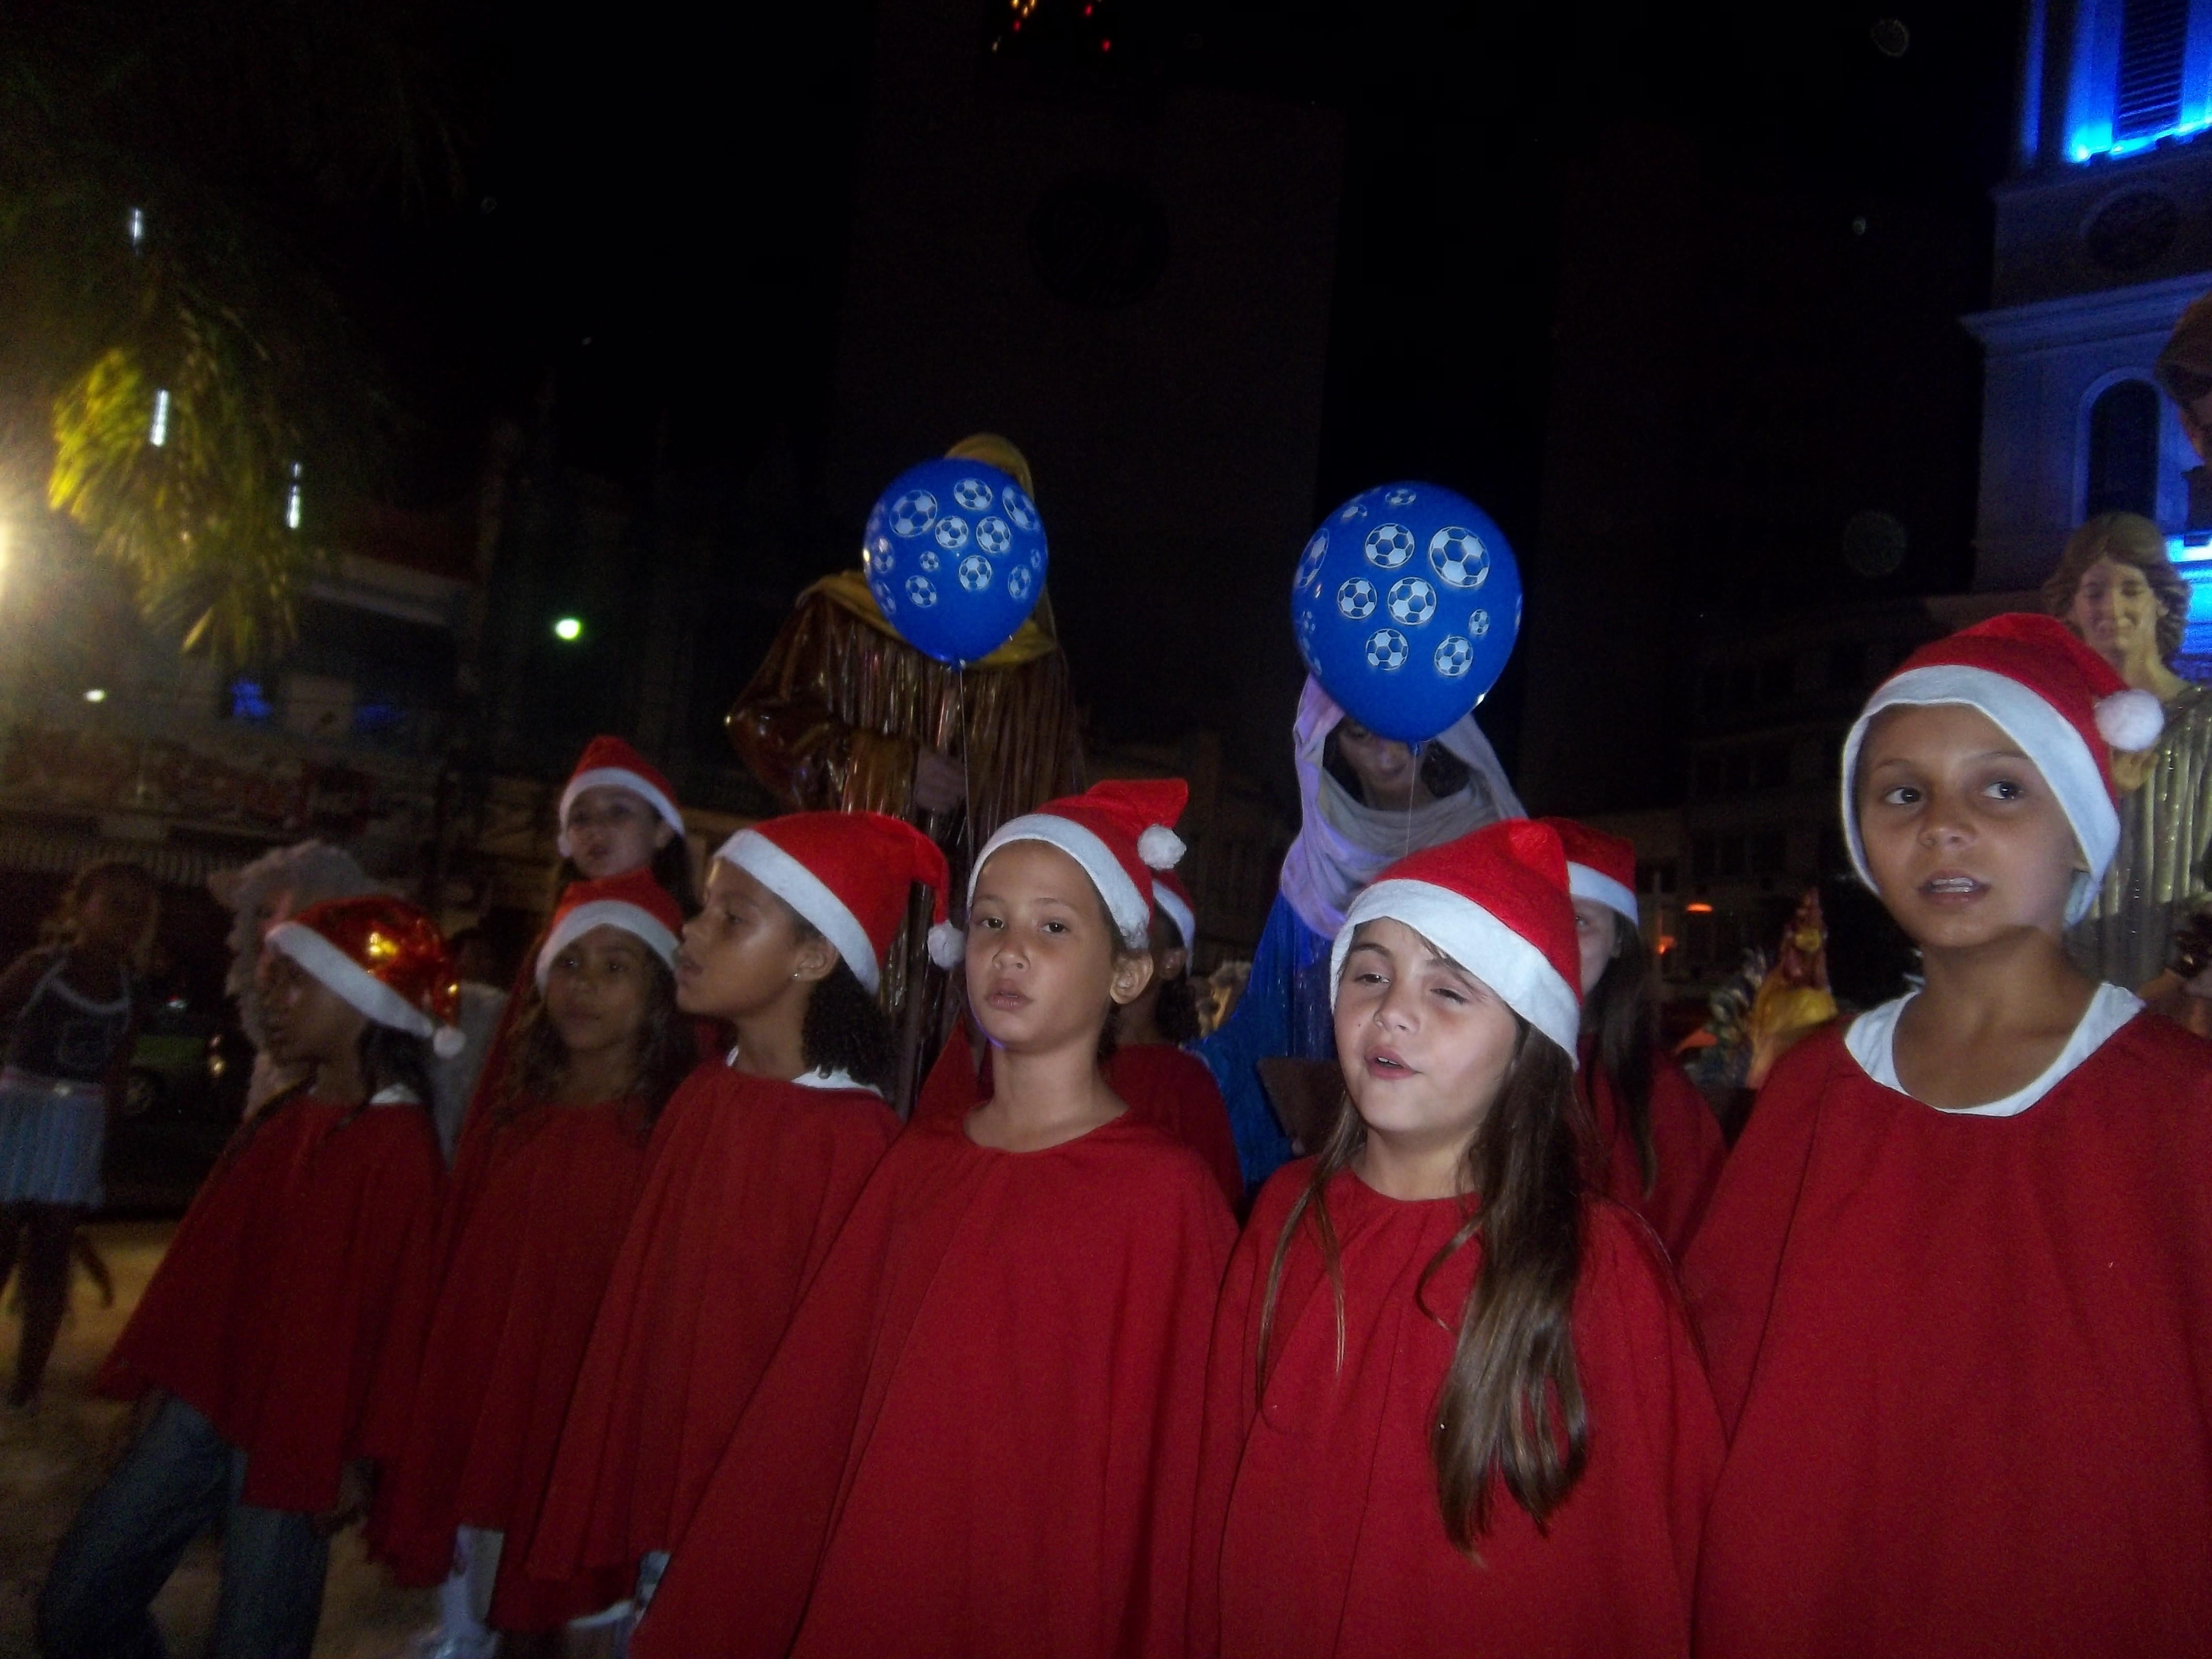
(2140, 76)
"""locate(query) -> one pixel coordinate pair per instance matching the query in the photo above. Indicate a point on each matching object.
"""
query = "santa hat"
(1495, 902)
(848, 874)
(2065, 706)
(1168, 894)
(1119, 832)
(635, 903)
(611, 763)
(1600, 867)
(383, 957)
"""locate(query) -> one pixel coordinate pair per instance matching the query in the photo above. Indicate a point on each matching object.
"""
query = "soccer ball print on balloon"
(955, 555)
(1405, 604)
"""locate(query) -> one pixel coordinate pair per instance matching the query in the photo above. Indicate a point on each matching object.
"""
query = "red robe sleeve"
(747, 1183)
(1686, 1145)
(1174, 1089)
(191, 1331)
(348, 1300)
(541, 1210)
(1729, 1272)
(981, 1437)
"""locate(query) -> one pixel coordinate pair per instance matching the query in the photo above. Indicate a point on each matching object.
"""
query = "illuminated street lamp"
(568, 630)
(96, 695)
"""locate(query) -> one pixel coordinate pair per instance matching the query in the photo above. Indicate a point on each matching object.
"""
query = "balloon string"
(1405, 848)
(967, 779)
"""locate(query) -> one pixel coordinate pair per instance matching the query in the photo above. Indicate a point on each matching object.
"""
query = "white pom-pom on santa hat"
(948, 945)
(2130, 721)
(447, 1042)
(1160, 847)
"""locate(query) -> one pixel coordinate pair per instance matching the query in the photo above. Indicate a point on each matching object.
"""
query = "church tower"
(2104, 234)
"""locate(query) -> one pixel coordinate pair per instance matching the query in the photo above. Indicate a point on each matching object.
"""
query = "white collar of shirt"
(824, 1080)
(1872, 1038)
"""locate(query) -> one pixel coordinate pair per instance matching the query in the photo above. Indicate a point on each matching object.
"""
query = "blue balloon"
(1406, 603)
(955, 554)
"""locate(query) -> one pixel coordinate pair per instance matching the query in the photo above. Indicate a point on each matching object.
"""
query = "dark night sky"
(654, 224)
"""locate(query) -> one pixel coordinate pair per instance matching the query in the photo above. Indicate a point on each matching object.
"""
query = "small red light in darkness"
(1699, 909)
(1105, 46)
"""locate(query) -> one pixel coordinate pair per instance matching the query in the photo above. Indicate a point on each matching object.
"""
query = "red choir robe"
(538, 1207)
(295, 1293)
(747, 1182)
(981, 1438)
(1965, 1363)
(1160, 1083)
(1319, 1532)
(1687, 1144)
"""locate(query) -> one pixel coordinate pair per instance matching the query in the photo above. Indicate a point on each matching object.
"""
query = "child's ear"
(816, 960)
(662, 835)
(1131, 974)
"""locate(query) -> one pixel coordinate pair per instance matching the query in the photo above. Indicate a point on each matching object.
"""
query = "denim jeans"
(180, 1478)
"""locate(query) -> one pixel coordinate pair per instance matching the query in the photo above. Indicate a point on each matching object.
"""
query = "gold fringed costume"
(841, 708)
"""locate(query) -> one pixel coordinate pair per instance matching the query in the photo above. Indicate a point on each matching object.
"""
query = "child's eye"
(1904, 794)
(2006, 789)
(1055, 927)
(991, 922)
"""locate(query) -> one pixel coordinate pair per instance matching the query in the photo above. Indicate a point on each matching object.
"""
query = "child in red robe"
(294, 1289)
(1956, 1283)
(1454, 1406)
(752, 1171)
(1656, 1147)
(1148, 1067)
(536, 1212)
(617, 817)
(980, 1438)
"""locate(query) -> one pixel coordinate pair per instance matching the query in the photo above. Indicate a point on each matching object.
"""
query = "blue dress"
(1283, 1011)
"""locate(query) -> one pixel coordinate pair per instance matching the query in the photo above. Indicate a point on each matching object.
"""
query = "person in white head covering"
(1366, 802)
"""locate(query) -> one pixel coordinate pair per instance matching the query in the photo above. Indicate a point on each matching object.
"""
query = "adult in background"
(843, 715)
(273, 888)
(2115, 589)
(1367, 802)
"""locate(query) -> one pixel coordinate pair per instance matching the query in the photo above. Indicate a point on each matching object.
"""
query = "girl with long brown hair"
(538, 1207)
(1655, 1145)
(1453, 1405)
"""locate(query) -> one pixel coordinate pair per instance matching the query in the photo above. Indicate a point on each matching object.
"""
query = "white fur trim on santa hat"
(2130, 721)
(614, 777)
(360, 989)
(632, 919)
(808, 893)
(1166, 898)
(2047, 738)
(1132, 912)
(1595, 886)
(1521, 974)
